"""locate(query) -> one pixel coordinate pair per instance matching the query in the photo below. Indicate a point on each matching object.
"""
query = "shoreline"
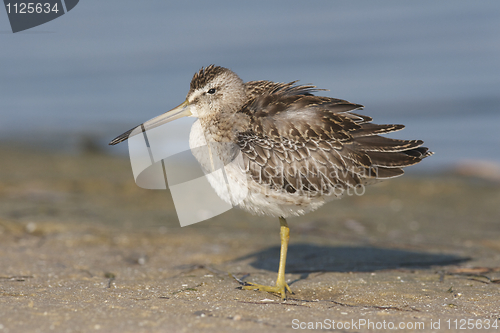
(82, 248)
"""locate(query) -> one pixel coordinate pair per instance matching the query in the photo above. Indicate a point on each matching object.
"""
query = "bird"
(296, 150)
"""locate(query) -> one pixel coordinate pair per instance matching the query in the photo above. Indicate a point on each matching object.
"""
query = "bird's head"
(213, 90)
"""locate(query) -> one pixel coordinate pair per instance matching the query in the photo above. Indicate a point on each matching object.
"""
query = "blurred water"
(109, 65)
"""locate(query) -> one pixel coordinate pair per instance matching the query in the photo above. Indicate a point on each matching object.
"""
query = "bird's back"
(301, 144)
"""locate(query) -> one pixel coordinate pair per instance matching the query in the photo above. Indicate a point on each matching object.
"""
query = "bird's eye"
(211, 91)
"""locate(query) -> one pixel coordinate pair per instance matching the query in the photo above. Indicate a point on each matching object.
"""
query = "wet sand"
(83, 249)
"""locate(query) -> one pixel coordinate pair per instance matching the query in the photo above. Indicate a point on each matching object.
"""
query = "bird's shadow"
(309, 258)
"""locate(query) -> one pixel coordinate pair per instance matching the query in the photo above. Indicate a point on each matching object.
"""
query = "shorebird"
(298, 151)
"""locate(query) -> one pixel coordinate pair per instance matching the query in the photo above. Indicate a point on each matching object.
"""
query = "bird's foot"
(279, 288)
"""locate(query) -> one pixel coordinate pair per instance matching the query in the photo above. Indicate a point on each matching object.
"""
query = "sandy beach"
(83, 249)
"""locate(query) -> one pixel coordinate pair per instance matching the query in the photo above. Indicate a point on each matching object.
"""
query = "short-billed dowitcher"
(298, 150)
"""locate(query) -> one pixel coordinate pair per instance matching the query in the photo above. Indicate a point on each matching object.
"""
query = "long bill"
(183, 110)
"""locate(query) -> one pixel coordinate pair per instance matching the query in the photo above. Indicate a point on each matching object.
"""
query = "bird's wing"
(302, 143)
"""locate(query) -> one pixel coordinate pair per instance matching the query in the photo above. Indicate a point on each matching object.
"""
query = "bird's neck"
(224, 126)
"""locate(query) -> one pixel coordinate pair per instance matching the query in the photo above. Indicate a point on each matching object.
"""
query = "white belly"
(235, 187)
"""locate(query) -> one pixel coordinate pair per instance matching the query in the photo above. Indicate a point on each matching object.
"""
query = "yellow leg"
(281, 286)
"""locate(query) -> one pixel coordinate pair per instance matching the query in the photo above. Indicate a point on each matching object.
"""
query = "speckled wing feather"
(312, 145)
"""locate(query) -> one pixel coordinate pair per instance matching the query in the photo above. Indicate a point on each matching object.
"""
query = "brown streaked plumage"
(289, 128)
(298, 150)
